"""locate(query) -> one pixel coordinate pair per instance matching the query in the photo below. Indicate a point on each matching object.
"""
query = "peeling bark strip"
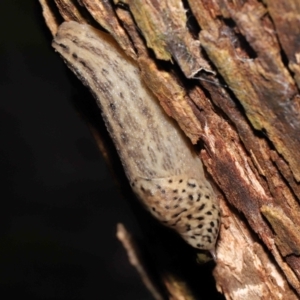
(162, 168)
(171, 40)
(262, 84)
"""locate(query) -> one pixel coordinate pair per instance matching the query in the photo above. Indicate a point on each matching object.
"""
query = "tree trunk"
(228, 72)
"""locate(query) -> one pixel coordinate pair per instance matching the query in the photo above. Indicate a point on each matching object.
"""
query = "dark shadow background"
(59, 203)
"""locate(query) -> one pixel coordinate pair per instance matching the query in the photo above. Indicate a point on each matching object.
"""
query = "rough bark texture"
(228, 72)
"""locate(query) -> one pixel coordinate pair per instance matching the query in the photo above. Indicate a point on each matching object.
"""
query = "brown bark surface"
(228, 72)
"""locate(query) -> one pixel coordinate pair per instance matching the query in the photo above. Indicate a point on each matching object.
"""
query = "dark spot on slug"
(189, 216)
(104, 71)
(170, 180)
(175, 198)
(163, 191)
(175, 206)
(207, 237)
(124, 138)
(121, 95)
(177, 214)
(177, 221)
(153, 208)
(193, 237)
(188, 227)
(192, 185)
(180, 180)
(158, 186)
(63, 46)
(145, 112)
(202, 206)
(112, 106)
(209, 230)
(212, 224)
(200, 218)
(200, 226)
(167, 207)
(191, 197)
(175, 191)
(183, 191)
(206, 196)
(200, 245)
(83, 63)
(198, 198)
(151, 173)
(209, 213)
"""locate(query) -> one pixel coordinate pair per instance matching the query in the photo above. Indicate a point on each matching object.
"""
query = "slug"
(164, 172)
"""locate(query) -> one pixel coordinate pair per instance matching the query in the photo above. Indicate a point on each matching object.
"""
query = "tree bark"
(228, 73)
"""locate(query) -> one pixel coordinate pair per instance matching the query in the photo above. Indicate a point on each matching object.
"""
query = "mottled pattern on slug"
(163, 170)
(184, 204)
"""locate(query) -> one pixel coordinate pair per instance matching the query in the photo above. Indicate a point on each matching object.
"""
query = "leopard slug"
(164, 172)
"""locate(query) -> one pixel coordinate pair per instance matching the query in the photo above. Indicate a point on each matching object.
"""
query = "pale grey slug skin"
(163, 170)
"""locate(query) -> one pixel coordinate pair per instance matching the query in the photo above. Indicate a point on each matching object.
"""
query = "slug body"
(164, 172)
